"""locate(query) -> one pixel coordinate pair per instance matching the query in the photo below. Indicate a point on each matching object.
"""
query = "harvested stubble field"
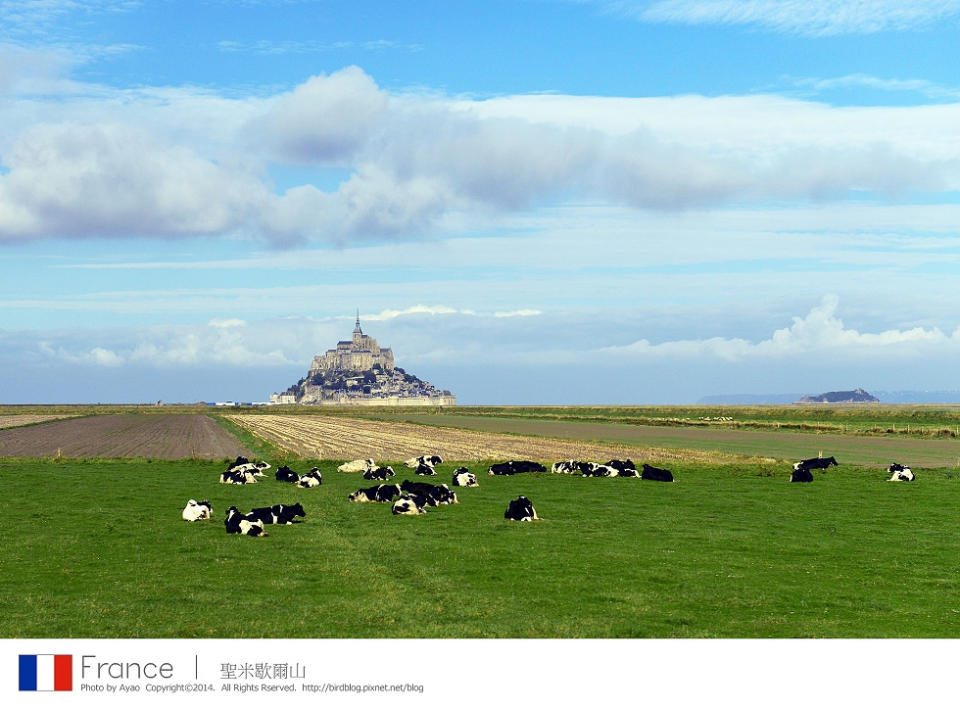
(163, 436)
(15, 420)
(335, 437)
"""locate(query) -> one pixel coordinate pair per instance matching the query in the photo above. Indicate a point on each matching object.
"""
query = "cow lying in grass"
(432, 460)
(596, 470)
(658, 474)
(433, 495)
(464, 478)
(286, 475)
(311, 479)
(624, 468)
(512, 467)
(900, 473)
(520, 510)
(195, 511)
(424, 469)
(242, 465)
(237, 477)
(377, 493)
(237, 523)
(409, 504)
(357, 466)
(277, 514)
(379, 473)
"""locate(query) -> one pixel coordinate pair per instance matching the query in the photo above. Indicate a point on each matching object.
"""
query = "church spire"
(356, 328)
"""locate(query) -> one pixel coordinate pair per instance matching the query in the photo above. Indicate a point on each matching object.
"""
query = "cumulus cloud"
(820, 333)
(323, 120)
(816, 18)
(141, 162)
(113, 180)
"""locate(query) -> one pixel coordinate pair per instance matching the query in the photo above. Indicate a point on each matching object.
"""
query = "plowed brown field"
(165, 436)
(343, 439)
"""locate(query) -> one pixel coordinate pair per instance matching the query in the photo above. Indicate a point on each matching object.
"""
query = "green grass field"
(98, 549)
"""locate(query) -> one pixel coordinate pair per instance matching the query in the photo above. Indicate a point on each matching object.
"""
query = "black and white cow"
(900, 473)
(464, 478)
(595, 470)
(801, 475)
(815, 463)
(357, 466)
(432, 460)
(566, 467)
(624, 468)
(237, 523)
(377, 493)
(512, 467)
(278, 514)
(658, 474)
(379, 473)
(409, 505)
(424, 469)
(433, 495)
(520, 510)
(238, 477)
(311, 479)
(242, 465)
(286, 475)
(195, 511)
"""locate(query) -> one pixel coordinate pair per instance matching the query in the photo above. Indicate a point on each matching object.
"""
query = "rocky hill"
(359, 371)
(857, 396)
(346, 386)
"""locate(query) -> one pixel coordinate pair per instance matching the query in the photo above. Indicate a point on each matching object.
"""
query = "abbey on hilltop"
(360, 372)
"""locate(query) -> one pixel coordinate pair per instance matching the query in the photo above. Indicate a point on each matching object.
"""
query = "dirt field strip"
(15, 420)
(162, 436)
(342, 438)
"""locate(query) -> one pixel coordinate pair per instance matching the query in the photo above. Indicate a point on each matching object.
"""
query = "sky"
(530, 201)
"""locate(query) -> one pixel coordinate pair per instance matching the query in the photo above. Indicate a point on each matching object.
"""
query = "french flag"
(46, 673)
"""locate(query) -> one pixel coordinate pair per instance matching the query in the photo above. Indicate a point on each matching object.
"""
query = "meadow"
(96, 548)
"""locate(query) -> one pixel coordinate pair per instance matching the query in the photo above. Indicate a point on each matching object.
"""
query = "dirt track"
(164, 436)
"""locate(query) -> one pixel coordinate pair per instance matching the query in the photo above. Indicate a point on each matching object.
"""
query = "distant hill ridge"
(886, 397)
(857, 396)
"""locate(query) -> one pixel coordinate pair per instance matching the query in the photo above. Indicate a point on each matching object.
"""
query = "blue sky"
(536, 201)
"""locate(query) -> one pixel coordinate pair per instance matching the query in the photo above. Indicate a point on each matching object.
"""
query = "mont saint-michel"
(358, 371)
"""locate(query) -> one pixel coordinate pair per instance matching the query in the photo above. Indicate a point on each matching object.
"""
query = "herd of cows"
(413, 498)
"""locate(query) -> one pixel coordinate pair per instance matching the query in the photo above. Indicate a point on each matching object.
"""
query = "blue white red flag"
(46, 673)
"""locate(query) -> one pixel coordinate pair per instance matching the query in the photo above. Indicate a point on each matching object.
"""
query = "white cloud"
(921, 86)
(227, 323)
(181, 163)
(820, 333)
(816, 18)
(413, 310)
(524, 313)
